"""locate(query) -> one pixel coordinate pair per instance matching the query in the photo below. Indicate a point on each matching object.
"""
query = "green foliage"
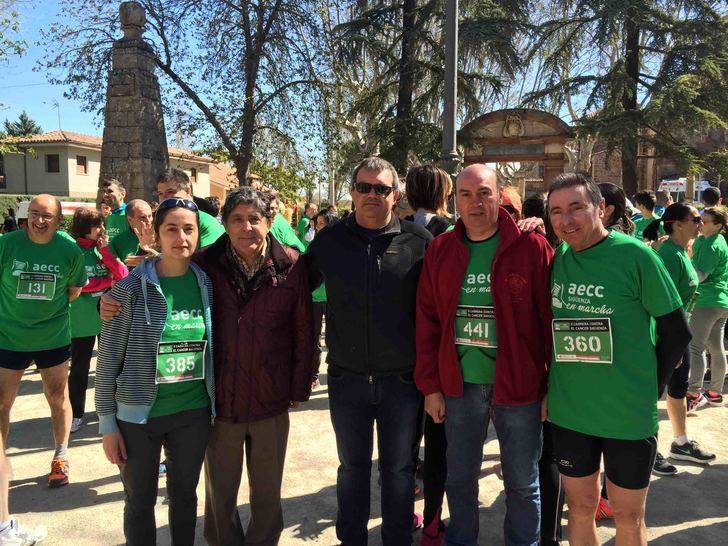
(288, 182)
(23, 127)
(10, 43)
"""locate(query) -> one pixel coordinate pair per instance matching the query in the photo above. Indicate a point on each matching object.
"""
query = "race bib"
(475, 326)
(36, 286)
(583, 340)
(179, 361)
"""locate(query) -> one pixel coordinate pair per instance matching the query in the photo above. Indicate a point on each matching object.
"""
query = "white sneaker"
(15, 535)
(76, 423)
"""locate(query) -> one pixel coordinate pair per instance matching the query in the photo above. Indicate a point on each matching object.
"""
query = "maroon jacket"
(520, 279)
(263, 347)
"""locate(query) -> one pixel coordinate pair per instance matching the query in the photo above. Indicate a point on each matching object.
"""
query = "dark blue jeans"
(356, 405)
(519, 436)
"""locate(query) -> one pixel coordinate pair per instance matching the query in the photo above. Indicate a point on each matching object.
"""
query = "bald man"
(133, 246)
(483, 320)
(41, 272)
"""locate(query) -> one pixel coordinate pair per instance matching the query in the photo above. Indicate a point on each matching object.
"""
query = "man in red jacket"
(483, 350)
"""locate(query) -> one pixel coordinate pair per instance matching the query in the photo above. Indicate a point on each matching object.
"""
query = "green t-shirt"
(210, 230)
(681, 271)
(302, 228)
(641, 224)
(124, 245)
(319, 294)
(603, 378)
(710, 256)
(284, 233)
(85, 320)
(475, 332)
(185, 322)
(34, 282)
(116, 223)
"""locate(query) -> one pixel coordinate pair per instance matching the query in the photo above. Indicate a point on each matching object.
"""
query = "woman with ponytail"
(710, 259)
(681, 223)
(616, 216)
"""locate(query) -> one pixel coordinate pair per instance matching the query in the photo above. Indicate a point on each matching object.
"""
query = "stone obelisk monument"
(135, 143)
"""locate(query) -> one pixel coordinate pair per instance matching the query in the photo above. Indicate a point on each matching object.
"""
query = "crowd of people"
(535, 315)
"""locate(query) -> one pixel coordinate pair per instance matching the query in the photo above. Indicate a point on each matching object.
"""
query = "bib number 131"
(583, 340)
(36, 286)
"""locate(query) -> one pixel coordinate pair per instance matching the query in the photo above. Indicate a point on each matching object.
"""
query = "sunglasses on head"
(379, 189)
(176, 202)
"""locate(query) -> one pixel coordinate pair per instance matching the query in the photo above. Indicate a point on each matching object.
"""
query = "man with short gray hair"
(370, 262)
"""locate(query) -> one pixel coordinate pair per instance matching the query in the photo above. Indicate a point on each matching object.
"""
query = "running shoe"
(59, 472)
(691, 451)
(434, 533)
(76, 423)
(15, 535)
(695, 402)
(662, 467)
(417, 521)
(714, 398)
(604, 510)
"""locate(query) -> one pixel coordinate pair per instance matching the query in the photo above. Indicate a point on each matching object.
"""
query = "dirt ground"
(690, 508)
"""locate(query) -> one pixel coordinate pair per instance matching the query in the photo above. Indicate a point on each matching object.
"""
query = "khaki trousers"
(263, 446)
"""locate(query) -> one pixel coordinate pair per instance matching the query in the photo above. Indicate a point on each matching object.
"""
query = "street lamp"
(450, 157)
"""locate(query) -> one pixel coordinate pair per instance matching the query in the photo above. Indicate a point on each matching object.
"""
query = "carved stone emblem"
(133, 19)
(513, 126)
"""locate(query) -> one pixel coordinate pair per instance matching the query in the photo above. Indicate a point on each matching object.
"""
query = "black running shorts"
(17, 360)
(627, 463)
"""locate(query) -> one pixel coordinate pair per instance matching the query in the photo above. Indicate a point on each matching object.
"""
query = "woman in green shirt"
(710, 258)
(681, 223)
(154, 379)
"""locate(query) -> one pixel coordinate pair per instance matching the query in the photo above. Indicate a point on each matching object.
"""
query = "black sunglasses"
(697, 219)
(379, 189)
(176, 202)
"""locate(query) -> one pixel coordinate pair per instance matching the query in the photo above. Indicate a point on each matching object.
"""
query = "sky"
(23, 89)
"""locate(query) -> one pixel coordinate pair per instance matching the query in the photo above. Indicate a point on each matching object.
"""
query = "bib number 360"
(180, 361)
(583, 340)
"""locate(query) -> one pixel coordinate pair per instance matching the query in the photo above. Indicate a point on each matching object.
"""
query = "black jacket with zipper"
(371, 287)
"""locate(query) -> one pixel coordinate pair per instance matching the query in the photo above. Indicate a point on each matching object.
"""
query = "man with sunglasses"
(370, 262)
(176, 183)
(483, 316)
(41, 272)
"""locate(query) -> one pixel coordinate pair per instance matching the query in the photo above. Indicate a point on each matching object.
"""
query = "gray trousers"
(263, 445)
(707, 325)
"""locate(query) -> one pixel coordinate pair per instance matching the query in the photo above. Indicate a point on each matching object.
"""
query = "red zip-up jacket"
(520, 284)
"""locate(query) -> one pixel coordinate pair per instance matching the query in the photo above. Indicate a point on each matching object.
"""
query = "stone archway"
(518, 135)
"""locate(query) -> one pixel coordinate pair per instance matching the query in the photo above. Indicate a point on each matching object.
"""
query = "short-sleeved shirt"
(185, 322)
(85, 320)
(603, 377)
(34, 282)
(124, 245)
(284, 233)
(475, 332)
(116, 223)
(710, 256)
(641, 224)
(210, 230)
(681, 270)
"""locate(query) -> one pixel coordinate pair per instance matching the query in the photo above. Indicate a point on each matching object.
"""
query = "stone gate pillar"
(135, 143)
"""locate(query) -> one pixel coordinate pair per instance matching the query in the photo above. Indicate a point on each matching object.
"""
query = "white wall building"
(67, 163)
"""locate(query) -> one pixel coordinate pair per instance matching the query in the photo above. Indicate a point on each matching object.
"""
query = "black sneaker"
(662, 467)
(692, 452)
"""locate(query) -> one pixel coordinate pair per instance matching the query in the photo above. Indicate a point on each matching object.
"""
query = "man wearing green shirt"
(645, 201)
(40, 274)
(176, 183)
(114, 194)
(618, 332)
(282, 230)
(304, 224)
(128, 247)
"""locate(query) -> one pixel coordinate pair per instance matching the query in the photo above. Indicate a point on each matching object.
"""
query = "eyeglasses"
(175, 202)
(697, 219)
(379, 189)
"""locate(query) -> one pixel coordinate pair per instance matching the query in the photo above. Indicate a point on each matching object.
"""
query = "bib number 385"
(180, 361)
(583, 340)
